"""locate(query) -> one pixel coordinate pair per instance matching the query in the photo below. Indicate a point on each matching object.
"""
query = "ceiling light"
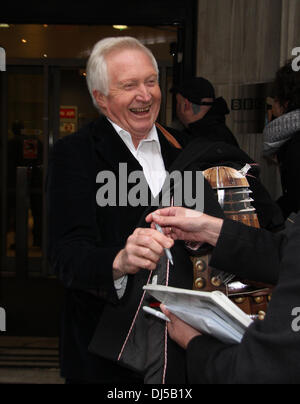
(120, 27)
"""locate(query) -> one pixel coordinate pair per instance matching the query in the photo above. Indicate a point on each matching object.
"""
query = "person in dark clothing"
(202, 114)
(282, 136)
(269, 350)
(102, 253)
(208, 142)
(95, 246)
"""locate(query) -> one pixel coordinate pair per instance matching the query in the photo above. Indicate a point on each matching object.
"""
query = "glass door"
(23, 152)
(72, 104)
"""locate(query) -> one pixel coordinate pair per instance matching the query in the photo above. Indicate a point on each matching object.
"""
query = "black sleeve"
(268, 212)
(74, 247)
(248, 252)
(269, 351)
(181, 136)
(290, 200)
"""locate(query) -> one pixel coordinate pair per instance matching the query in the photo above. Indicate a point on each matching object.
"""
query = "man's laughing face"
(134, 96)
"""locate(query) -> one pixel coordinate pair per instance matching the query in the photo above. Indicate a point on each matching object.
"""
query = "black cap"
(195, 89)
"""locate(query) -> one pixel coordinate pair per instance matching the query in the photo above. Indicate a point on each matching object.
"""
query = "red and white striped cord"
(134, 319)
(166, 333)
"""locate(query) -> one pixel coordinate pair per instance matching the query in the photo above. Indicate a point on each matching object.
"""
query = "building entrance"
(43, 99)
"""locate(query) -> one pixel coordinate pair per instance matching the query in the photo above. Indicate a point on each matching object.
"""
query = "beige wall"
(244, 42)
(290, 25)
(238, 40)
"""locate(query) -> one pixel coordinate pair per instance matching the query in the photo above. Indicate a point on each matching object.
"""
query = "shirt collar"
(152, 136)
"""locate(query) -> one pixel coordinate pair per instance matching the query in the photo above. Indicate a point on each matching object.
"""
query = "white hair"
(96, 71)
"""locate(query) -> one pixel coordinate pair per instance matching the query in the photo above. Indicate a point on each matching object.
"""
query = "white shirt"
(148, 154)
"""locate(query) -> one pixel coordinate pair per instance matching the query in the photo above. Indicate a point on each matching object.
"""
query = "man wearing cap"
(209, 143)
(202, 114)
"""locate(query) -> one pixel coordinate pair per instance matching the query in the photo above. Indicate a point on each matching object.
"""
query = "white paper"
(211, 313)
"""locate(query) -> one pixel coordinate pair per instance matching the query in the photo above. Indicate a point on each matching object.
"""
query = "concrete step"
(29, 360)
(30, 376)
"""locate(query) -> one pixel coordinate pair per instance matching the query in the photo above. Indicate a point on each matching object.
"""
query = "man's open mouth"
(140, 111)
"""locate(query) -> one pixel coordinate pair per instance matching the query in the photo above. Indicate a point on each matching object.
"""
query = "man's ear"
(187, 104)
(100, 99)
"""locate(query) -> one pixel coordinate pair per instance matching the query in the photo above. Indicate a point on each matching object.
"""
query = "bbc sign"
(247, 104)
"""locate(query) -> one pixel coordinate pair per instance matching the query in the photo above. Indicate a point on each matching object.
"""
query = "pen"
(156, 313)
(167, 251)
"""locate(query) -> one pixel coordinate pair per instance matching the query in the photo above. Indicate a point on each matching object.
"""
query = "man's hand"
(178, 330)
(143, 250)
(187, 224)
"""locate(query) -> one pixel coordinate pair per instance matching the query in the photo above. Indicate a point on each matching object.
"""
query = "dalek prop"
(234, 196)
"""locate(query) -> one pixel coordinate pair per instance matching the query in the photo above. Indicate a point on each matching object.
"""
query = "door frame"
(183, 14)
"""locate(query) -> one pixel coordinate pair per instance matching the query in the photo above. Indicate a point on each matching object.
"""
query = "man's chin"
(141, 131)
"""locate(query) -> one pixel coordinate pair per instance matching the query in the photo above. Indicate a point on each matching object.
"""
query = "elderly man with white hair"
(95, 244)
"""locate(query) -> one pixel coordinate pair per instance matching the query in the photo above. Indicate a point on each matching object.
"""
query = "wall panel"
(239, 44)
(238, 40)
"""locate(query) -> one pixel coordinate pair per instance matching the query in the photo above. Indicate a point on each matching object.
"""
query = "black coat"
(289, 165)
(212, 127)
(269, 351)
(126, 335)
(198, 155)
(85, 238)
(83, 242)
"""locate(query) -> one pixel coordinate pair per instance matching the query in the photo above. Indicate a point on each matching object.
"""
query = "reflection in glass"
(25, 149)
